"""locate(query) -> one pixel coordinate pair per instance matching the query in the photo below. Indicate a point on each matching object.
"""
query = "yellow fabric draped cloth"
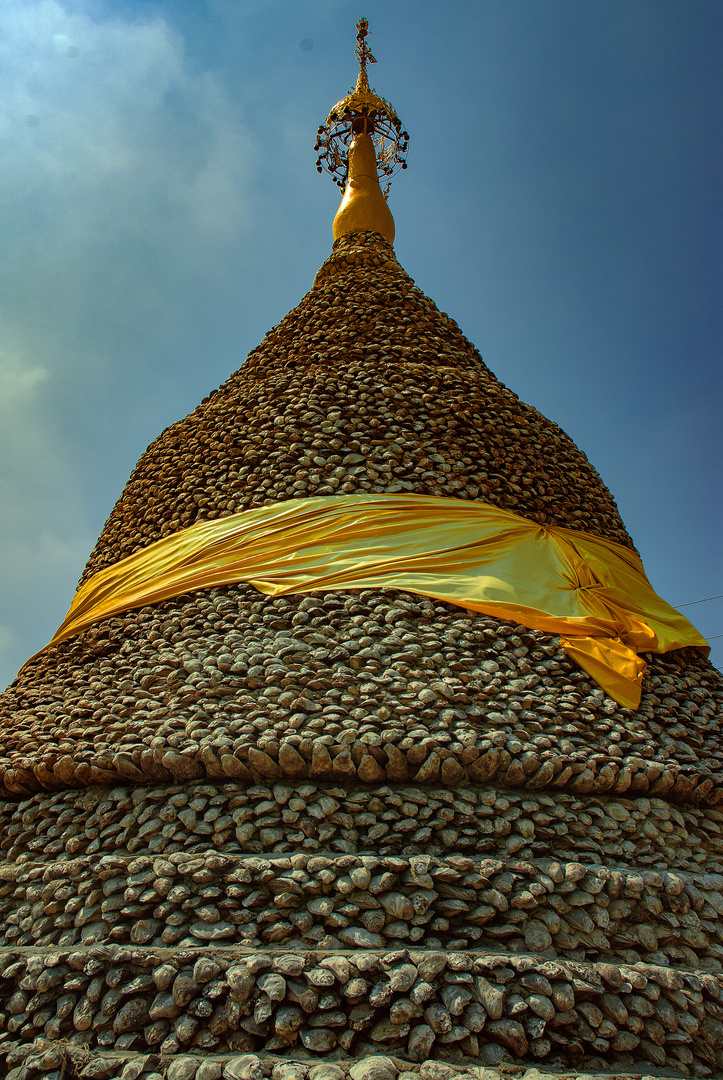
(592, 592)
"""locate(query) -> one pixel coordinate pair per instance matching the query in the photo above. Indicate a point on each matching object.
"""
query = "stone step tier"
(561, 910)
(275, 816)
(47, 1061)
(459, 1006)
(579, 877)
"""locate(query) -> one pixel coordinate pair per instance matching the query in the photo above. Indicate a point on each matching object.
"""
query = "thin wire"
(703, 601)
(709, 637)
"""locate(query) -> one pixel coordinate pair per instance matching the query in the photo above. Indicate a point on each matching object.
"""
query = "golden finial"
(361, 111)
(363, 208)
(363, 53)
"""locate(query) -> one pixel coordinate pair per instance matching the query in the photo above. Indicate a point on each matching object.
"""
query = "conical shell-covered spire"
(238, 829)
(364, 387)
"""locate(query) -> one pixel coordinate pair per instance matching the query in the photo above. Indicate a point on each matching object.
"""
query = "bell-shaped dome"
(364, 387)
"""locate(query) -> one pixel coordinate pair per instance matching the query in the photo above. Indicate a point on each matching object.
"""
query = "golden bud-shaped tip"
(363, 206)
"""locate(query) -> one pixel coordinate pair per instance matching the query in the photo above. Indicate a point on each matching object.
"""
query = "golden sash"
(592, 592)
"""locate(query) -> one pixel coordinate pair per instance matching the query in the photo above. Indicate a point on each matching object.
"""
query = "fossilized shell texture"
(364, 387)
(368, 685)
(357, 825)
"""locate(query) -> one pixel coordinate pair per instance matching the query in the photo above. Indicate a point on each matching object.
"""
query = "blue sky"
(160, 210)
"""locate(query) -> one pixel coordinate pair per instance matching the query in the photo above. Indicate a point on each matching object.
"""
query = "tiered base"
(195, 923)
(459, 1007)
(72, 1063)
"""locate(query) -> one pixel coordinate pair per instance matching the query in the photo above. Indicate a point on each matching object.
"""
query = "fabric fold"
(590, 591)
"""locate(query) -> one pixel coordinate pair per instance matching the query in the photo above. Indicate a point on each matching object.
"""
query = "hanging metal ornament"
(362, 110)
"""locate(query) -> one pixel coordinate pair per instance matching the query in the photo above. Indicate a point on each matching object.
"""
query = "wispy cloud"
(125, 186)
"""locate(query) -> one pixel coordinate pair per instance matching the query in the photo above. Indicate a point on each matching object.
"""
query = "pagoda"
(299, 791)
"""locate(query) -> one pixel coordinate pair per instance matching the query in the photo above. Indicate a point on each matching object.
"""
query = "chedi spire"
(362, 136)
(274, 815)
